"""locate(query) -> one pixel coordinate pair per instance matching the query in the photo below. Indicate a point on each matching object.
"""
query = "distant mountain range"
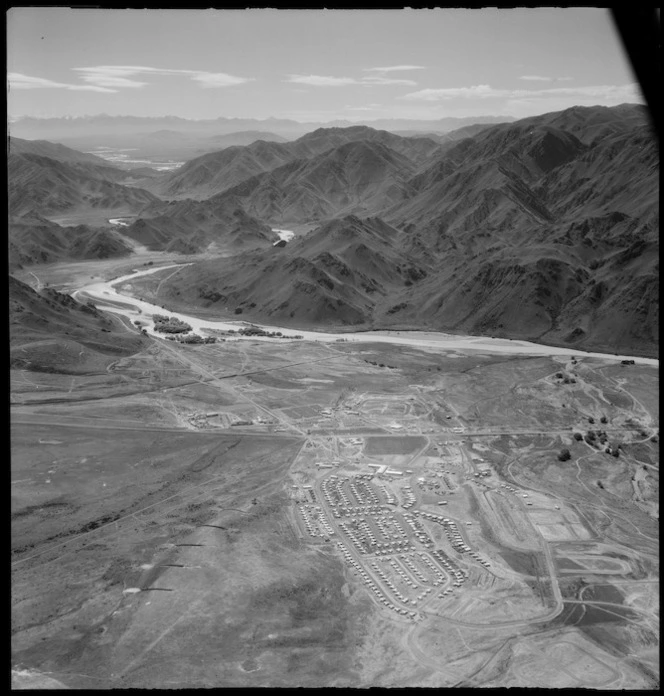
(544, 229)
(102, 125)
(134, 141)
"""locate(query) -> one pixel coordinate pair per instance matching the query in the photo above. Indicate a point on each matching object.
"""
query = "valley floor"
(295, 513)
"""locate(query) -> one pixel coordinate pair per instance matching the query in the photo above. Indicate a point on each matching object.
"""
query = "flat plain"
(292, 513)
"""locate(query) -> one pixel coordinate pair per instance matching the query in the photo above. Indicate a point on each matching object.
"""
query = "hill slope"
(217, 172)
(335, 275)
(56, 151)
(356, 177)
(33, 239)
(46, 186)
(51, 332)
(188, 226)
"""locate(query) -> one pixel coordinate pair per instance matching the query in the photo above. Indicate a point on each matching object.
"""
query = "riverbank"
(120, 289)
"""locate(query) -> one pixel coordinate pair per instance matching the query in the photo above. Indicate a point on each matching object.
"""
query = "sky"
(313, 65)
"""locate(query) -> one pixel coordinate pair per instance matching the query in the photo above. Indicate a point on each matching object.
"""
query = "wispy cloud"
(395, 68)
(380, 80)
(627, 92)
(111, 78)
(118, 76)
(321, 80)
(329, 81)
(211, 80)
(476, 91)
(540, 78)
(20, 81)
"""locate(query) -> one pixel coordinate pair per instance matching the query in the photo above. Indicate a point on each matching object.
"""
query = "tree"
(564, 455)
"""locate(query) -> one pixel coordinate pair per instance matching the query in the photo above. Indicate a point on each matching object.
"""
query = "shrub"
(603, 419)
(578, 436)
(564, 455)
(238, 310)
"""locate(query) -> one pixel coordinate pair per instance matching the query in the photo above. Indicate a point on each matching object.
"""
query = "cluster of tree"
(390, 367)
(593, 435)
(565, 379)
(599, 439)
(171, 325)
(255, 331)
(596, 439)
(193, 338)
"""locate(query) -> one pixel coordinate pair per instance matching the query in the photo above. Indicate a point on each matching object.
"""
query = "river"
(284, 235)
(106, 292)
